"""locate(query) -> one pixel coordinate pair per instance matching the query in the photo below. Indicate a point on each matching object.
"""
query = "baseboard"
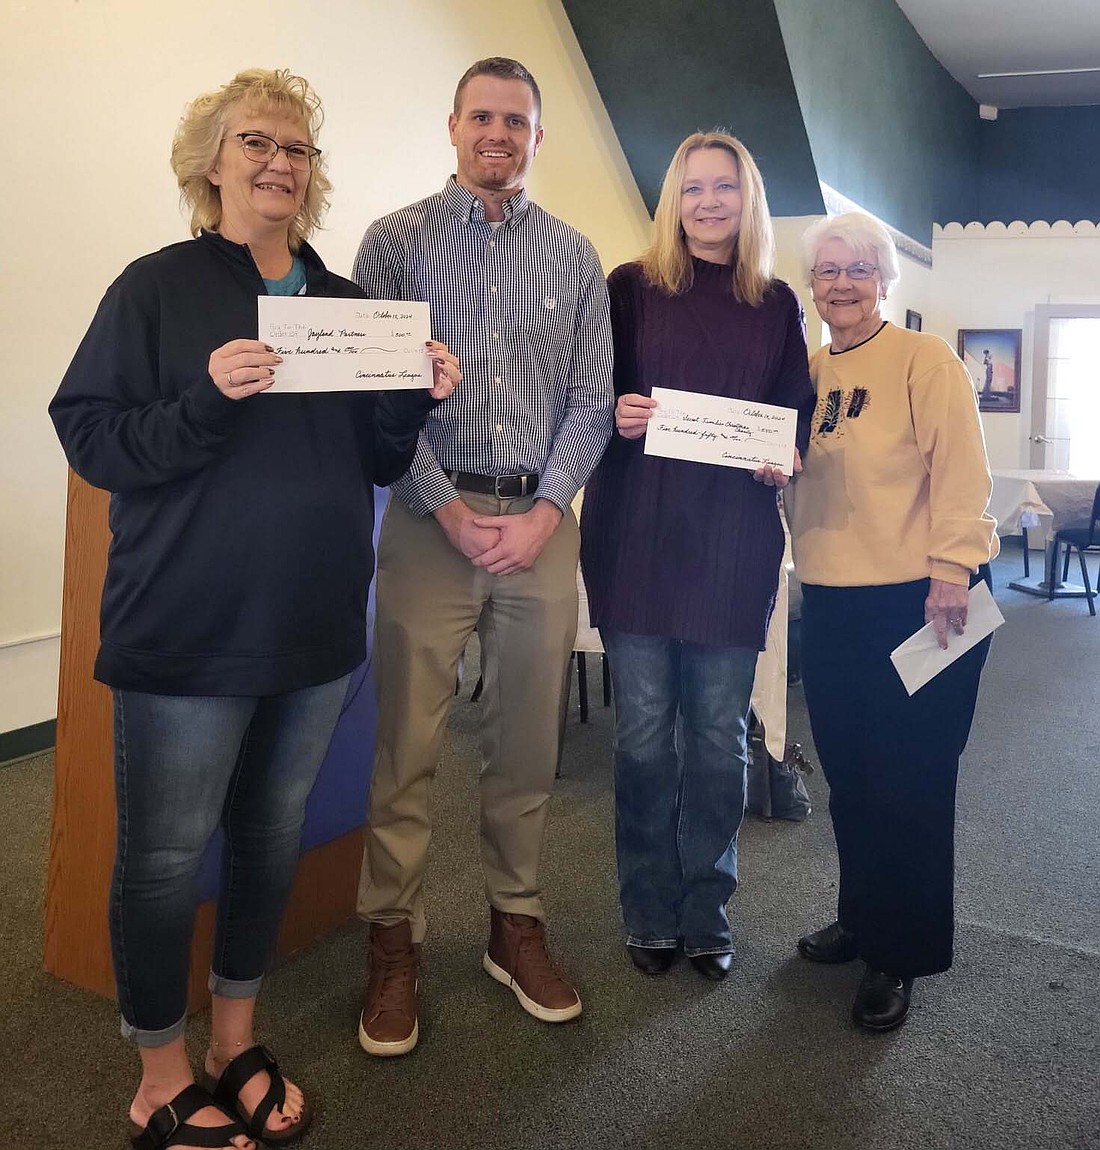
(27, 741)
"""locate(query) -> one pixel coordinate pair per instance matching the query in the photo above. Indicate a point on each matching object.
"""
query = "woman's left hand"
(445, 370)
(945, 608)
(773, 476)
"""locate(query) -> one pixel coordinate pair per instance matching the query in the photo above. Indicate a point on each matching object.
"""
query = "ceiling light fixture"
(1045, 72)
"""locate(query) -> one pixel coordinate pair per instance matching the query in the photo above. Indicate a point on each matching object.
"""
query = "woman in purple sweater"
(681, 559)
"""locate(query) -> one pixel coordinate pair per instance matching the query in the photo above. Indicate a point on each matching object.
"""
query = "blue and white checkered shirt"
(524, 308)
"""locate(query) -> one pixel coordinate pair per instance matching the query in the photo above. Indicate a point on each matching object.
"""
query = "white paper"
(346, 344)
(714, 429)
(920, 658)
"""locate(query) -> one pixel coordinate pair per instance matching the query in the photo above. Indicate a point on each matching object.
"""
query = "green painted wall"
(1041, 164)
(666, 69)
(888, 125)
(841, 90)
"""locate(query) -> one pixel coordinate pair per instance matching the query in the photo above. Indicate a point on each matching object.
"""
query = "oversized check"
(346, 344)
(713, 429)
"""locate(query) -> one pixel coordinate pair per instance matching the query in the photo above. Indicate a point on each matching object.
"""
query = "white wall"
(993, 276)
(101, 85)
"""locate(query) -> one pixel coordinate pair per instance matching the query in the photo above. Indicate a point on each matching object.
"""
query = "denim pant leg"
(174, 758)
(716, 685)
(645, 675)
(262, 819)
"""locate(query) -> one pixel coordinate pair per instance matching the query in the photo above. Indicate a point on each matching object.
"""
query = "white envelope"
(920, 658)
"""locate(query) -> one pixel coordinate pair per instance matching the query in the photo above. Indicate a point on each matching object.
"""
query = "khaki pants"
(430, 599)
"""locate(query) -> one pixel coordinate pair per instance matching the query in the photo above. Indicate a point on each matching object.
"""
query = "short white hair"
(863, 234)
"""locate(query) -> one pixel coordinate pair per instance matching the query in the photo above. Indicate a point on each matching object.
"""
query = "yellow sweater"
(896, 480)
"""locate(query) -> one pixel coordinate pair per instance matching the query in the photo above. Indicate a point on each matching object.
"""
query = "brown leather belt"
(502, 486)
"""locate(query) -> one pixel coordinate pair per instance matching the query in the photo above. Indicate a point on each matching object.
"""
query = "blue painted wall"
(888, 125)
(1041, 164)
(665, 70)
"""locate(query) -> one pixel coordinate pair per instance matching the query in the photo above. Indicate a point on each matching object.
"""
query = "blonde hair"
(202, 128)
(667, 261)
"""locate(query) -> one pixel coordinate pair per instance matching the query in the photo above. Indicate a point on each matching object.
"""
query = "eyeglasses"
(857, 271)
(261, 149)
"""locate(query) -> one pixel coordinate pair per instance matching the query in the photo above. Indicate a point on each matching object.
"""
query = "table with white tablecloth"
(1045, 501)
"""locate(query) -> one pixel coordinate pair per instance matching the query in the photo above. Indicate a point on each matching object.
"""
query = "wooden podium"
(82, 839)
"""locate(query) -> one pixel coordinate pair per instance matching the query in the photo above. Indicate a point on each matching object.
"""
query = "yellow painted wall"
(95, 89)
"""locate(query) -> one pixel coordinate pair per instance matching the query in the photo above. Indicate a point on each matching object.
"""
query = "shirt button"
(492, 243)
(496, 335)
(493, 288)
(500, 427)
(497, 379)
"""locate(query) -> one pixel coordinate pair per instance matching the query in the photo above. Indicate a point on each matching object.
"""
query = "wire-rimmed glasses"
(261, 149)
(860, 270)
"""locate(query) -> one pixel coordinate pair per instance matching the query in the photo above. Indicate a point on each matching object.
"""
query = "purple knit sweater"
(692, 550)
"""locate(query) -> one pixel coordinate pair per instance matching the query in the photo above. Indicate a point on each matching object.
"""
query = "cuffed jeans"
(677, 814)
(184, 764)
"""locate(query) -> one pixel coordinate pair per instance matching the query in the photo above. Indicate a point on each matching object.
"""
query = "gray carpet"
(1002, 1052)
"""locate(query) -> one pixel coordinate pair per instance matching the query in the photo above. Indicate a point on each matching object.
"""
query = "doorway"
(1065, 408)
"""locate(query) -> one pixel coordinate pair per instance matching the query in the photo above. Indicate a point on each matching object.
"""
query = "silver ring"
(229, 379)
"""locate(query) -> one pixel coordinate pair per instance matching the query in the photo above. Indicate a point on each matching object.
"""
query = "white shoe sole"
(535, 1009)
(387, 1049)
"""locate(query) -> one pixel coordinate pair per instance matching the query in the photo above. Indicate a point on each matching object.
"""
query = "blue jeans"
(184, 764)
(678, 810)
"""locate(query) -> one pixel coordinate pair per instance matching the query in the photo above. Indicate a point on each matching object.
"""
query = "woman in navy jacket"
(234, 604)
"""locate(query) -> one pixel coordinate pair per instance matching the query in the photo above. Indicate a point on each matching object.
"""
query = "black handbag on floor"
(775, 789)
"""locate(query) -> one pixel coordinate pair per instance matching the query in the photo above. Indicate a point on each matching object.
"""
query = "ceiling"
(970, 37)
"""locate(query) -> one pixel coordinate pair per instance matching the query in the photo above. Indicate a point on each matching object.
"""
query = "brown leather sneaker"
(388, 1024)
(517, 957)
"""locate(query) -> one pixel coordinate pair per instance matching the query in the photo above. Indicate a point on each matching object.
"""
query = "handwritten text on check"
(728, 432)
(346, 344)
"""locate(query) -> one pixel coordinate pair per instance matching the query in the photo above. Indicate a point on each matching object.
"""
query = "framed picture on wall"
(992, 357)
(913, 319)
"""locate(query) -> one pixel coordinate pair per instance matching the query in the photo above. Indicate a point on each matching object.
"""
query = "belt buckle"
(498, 479)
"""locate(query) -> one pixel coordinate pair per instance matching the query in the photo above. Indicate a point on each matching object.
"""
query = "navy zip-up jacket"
(241, 530)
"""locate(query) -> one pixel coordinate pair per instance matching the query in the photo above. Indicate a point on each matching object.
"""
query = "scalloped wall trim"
(1039, 228)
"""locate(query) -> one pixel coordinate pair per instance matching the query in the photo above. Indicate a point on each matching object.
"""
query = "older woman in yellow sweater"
(889, 529)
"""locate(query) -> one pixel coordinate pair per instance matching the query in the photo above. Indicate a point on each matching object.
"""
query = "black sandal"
(226, 1090)
(168, 1126)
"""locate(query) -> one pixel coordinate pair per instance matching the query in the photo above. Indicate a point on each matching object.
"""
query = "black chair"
(582, 683)
(1084, 539)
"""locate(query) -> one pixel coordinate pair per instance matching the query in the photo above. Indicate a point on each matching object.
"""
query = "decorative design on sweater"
(830, 413)
(857, 401)
(836, 406)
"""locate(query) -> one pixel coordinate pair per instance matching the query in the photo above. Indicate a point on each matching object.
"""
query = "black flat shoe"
(651, 959)
(882, 1001)
(830, 944)
(712, 966)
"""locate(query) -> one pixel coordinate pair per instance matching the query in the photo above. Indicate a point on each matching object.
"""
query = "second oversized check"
(714, 429)
(346, 344)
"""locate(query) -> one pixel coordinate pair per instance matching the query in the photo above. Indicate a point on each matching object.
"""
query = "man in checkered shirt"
(479, 534)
